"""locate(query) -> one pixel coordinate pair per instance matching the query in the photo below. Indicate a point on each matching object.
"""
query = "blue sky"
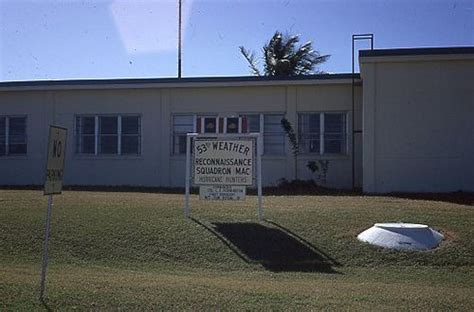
(49, 39)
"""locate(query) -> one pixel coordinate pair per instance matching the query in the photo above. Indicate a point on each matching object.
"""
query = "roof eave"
(416, 54)
(146, 83)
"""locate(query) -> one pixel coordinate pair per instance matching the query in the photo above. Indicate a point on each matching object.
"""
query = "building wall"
(156, 166)
(418, 124)
(37, 107)
(288, 100)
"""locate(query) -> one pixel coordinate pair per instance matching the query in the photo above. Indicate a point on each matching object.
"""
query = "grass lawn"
(136, 251)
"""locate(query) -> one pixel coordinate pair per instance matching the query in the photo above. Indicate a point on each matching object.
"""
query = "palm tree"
(282, 57)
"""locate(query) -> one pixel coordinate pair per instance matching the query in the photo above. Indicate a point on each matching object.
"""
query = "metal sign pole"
(187, 210)
(259, 179)
(45, 247)
(53, 185)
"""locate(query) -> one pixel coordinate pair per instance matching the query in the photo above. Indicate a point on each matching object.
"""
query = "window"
(322, 133)
(108, 135)
(85, 135)
(182, 124)
(232, 125)
(130, 136)
(12, 135)
(210, 124)
(273, 135)
(253, 122)
(310, 133)
(269, 126)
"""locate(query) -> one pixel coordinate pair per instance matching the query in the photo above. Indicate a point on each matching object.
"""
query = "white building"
(413, 124)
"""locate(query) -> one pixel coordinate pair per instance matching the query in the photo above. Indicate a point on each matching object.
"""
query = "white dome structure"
(401, 236)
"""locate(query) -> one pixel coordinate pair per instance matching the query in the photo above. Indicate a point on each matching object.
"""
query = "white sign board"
(223, 161)
(222, 192)
(56, 155)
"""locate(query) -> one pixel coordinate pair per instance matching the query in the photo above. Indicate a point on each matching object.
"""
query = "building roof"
(175, 82)
(417, 51)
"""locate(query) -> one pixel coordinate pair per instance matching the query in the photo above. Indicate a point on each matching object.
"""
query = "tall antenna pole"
(355, 38)
(179, 38)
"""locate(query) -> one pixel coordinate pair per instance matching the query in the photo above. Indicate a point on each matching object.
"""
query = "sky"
(70, 39)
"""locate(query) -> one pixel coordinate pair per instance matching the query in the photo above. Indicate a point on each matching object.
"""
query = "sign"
(56, 156)
(223, 161)
(222, 165)
(222, 192)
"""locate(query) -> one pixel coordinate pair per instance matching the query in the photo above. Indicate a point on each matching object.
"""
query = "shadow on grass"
(45, 305)
(275, 248)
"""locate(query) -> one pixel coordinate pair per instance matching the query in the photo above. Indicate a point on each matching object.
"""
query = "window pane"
(183, 120)
(17, 126)
(180, 144)
(108, 144)
(274, 144)
(334, 143)
(253, 123)
(183, 129)
(16, 139)
(108, 125)
(273, 119)
(210, 125)
(334, 133)
(273, 135)
(309, 144)
(2, 126)
(85, 131)
(182, 124)
(314, 146)
(273, 123)
(309, 132)
(2, 136)
(131, 125)
(333, 146)
(309, 123)
(274, 139)
(130, 145)
(16, 149)
(314, 122)
(334, 123)
(232, 125)
(86, 144)
(86, 125)
(17, 135)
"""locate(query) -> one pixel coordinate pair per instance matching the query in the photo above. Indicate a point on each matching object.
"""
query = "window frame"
(322, 132)
(261, 117)
(173, 134)
(262, 134)
(203, 123)
(7, 135)
(97, 135)
(216, 116)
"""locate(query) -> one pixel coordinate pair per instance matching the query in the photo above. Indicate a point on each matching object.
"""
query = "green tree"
(282, 57)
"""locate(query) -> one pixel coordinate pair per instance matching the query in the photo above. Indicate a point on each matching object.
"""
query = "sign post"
(223, 165)
(53, 185)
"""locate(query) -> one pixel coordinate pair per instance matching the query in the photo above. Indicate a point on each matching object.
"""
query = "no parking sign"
(53, 184)
(56, 155)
